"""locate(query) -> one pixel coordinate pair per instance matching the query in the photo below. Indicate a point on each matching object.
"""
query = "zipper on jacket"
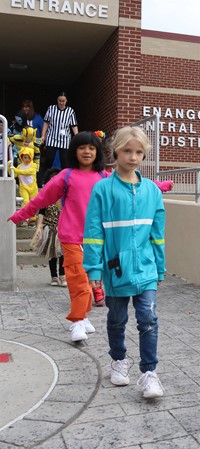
(134, 231)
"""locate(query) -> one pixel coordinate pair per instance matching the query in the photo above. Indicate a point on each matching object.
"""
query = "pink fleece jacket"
(72, 216)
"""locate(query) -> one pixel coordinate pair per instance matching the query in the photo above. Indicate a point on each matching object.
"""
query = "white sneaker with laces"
(150, 385)
(119, 372)
(89, 328)
(78, 332)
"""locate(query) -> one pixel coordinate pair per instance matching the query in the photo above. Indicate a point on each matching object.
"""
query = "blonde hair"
(123, 135)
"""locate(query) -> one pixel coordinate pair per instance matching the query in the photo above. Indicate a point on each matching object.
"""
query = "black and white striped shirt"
(58, 133)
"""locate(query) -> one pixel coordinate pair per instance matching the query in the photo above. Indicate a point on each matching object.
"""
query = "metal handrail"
(10, 156)
(4, 166)
(7, 150)
(150, 125)
(186, 181)
(150, 166)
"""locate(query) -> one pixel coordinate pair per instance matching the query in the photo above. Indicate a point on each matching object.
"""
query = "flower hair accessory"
(100, 134)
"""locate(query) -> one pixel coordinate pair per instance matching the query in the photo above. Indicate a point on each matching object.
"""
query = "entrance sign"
(64, 7)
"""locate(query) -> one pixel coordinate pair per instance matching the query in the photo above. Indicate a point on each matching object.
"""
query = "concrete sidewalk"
(57, 395)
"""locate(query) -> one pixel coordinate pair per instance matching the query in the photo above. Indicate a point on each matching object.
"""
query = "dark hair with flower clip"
(85, 138)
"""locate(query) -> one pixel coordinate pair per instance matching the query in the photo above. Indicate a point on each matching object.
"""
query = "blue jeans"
(147, 325)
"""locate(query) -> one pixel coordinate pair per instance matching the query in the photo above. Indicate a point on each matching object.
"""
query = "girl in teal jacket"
(124, 248)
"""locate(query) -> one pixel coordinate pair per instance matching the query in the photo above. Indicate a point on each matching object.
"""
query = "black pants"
(53, 267)
(50, 153)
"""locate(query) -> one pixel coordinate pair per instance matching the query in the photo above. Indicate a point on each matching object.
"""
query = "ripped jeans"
(147, 325)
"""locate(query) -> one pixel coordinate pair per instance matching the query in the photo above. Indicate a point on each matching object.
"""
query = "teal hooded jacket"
(124, 236)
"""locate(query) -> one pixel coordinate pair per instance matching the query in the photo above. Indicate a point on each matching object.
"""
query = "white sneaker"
(119, 372)
(89, 328)
(54, 282)
(63, 282)
(78, 332)
(150, 385)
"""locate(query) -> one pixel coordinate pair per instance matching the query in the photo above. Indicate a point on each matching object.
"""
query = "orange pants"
(79, 288)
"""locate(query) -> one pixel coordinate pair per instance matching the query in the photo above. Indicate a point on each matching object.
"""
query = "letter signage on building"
(85, 8)
(172, 122)
(100, 12)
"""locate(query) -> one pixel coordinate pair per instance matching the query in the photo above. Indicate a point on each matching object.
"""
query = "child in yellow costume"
(26, 173)
(28, 138)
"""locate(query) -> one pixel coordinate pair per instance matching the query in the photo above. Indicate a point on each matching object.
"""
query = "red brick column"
(129, 63)
(108, 94)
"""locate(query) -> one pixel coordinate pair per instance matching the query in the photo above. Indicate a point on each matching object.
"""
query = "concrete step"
(30, 258)
(25, 256)
(23, 245)
(24, 233)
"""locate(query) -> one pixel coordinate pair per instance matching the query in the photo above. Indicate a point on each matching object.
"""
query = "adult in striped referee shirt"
(59, 120)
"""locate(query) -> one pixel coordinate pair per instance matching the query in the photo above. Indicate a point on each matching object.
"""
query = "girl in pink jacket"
(74, 185)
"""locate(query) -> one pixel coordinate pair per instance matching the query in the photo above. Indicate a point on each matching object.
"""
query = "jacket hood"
(26, 150)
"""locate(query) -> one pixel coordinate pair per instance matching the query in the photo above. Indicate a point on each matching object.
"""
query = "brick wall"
(107, 95)
(95, 99)
(170, 72)
(130, 9)
(129, 75)
(173, 84)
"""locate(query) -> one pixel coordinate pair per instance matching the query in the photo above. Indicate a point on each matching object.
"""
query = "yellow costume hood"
(26, 150)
